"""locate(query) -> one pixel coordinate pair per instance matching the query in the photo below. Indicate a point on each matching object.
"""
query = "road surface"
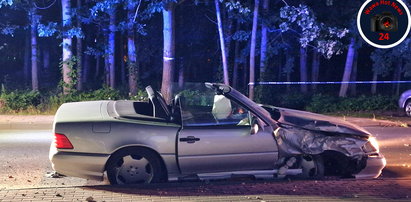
(25, 163)
(395, 144)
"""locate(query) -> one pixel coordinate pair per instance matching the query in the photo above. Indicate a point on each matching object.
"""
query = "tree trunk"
(280, 66)
(315, 70)
(131, 52)
(86, 68)
(222, 42)
(46, 58)
(236, 64)
(79, 53)
(236, 57)
(106, 63)
(46, 65)
(245, 75)
(181, 75)
(27, 54)
(168, 51)
(353, 87)
(123, 71)
(264, 41)
(348, 68)
(252, 49)
(67, 41)
(111, 49)
(228, 33)
(303, 69)
(34, 69)
(107, 70)
(374, 85)
(397, 77)
(288, 80)
(97, 71)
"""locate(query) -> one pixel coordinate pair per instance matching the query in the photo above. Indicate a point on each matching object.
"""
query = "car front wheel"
(312, 166)
(134, 166)
(407, 108)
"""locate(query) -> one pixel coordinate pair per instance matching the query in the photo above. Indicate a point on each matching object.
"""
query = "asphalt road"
(24, 161)
(24, 157)
(395, 144)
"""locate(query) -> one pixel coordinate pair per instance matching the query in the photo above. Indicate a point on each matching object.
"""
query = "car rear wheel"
(407, 108)
(134, 166)
(312, 166)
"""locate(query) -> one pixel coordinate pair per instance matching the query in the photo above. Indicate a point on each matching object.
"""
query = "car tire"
(134, 166)
(407, 108)
(312, 167)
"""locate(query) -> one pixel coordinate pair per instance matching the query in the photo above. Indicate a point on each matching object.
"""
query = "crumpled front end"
(294, 141)
(362, 161)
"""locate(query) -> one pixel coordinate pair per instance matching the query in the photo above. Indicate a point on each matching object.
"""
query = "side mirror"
(254, 129)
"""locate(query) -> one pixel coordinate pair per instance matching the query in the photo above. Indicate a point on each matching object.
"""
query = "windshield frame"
(244, 101)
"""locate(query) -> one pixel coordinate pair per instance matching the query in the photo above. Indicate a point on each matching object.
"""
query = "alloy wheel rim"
(133, 170)
(408, 109)
(309, 167)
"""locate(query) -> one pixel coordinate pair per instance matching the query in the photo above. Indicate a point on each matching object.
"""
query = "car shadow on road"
(396, 172)
(342, 188)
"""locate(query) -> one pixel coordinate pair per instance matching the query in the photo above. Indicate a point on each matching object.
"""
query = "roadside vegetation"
(359, 106)
(35, 102)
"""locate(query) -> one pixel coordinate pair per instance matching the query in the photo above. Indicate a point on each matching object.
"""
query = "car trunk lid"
(82, 111)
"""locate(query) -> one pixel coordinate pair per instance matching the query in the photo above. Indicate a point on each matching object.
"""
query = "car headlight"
(371, 146)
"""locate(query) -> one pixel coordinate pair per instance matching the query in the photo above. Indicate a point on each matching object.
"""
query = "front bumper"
(374, 167)
(83, 165)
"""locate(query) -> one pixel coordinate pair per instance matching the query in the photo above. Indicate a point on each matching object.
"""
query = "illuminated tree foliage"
(6, 3)
(127, 44)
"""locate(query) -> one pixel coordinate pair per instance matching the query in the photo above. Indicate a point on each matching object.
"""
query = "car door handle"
(189, 139)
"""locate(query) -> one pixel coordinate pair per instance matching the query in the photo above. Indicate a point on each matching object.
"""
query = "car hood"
(318, 122)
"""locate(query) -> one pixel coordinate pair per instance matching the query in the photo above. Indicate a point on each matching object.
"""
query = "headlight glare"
(371, 145)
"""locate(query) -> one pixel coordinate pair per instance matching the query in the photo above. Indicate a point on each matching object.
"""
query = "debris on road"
(54, 174)
(90, 199)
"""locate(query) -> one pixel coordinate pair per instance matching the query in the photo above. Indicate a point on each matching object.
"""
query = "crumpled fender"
(295, 141)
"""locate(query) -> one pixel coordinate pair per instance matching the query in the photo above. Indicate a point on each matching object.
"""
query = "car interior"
(155, 108)
(219, 111)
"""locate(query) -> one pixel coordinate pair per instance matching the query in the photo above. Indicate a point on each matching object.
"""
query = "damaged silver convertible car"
(209, 132)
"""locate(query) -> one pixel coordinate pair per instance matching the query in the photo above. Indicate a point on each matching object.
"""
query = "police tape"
(323, 82)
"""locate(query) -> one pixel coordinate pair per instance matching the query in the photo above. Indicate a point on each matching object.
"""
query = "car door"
(215, 139)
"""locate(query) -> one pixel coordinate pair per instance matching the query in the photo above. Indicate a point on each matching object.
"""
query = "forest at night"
(56, 51)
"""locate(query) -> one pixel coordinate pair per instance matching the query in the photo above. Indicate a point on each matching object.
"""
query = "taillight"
(62, 142)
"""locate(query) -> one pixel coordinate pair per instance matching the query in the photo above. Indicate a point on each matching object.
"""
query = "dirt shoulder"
(10, 122)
